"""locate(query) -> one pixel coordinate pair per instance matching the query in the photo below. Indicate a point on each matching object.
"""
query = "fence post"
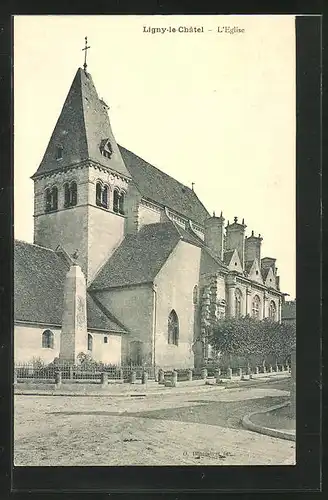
(15, 377)
(229, 373)
(58, 379)
(133, 377)
(70, 372)
(121, 375)
(203, 373)
(218, 376)
(256, 370)
(264, 368)
(144, 378)
(270, 369)
(277, 368)
(161, 376)
(240, 371)
(189, 375)
(104, 379)
(174, 378)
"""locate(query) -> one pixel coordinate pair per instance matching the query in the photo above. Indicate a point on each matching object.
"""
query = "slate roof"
(227, 256)
(265, 272)
(81, 127)
(159, 187)
(39, 275)
(248, 265)
(139, 257)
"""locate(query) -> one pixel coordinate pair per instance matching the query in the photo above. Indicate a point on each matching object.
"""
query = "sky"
(210, 107)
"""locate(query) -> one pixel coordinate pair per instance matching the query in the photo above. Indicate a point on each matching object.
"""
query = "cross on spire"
(86, 47)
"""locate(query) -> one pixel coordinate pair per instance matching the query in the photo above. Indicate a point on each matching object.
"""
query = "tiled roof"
(39, 276)
(159, 187)
(139, 257)
(81, 127)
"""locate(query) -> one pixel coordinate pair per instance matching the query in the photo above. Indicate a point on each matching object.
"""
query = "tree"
(250, 339)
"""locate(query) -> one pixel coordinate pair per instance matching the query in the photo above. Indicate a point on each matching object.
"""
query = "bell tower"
(81, 185)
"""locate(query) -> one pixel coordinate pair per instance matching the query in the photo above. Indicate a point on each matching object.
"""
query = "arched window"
(195, 295)
(98, 194)
(51, 198)
(121, 203)
(70, 194)
(173, 328)
(73, 194)
(256, 307)
(238, 302)
(59, 152)
(116, 201)
(90, 342)
(104, 197)
(48, 339)
(272, 310)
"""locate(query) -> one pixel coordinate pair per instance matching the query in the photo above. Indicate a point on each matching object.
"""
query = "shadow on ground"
(223, 414)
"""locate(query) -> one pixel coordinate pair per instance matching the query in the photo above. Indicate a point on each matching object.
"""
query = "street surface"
(182, 429)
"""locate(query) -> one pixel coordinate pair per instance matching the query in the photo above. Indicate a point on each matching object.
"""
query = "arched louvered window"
(51, 199)
(238, 303)
(73, 188)
(256, 307)
(48, 339)
(70, 194)
(121, 203)
(98, 194)
(173, 328)
(104, 197)
(116, 197)
(90, 342)
(272, 310)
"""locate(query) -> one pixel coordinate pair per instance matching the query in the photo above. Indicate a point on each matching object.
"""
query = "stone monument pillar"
(74, 335)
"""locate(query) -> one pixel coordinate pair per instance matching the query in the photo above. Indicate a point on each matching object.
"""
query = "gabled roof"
(81, 127)
(139, 257)
(39, 276)
(248, 265)
(159, 187)
(265, 272)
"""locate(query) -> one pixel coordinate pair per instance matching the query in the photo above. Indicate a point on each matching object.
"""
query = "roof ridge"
(34, 245)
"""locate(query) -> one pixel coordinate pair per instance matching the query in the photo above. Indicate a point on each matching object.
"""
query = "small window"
(59, 152)
(90, 342)
(235, 263)
(48, 339)
(105, 340)
(195, 295)
(256, 272)
(73, 194)
(173, 328)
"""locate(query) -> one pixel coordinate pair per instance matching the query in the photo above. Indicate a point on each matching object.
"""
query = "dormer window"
(59, 152)
(106, 148)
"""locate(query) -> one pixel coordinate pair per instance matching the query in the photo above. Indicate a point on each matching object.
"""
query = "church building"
(127, 264)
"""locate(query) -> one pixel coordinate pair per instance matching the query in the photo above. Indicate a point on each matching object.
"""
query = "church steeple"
(81, 185)
(82, 132)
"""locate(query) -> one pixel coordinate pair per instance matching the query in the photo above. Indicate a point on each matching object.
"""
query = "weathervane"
(86, 47)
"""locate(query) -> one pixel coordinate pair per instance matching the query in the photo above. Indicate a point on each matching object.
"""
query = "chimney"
(253, 248)
(74, 335)
(235, 238)
(214, 233)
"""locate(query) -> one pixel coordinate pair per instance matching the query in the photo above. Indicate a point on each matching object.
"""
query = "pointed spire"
(243, 221)
(235, 219)
(80, 130)
(221, 214)
(192, 186)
